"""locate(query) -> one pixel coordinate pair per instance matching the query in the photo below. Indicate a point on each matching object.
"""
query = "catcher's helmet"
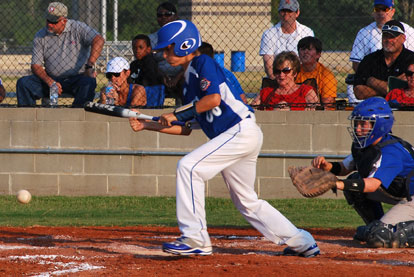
(376, 111)
(183, 34)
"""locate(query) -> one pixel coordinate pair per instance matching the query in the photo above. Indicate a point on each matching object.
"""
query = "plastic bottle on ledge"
(109, 88)
(54, 95)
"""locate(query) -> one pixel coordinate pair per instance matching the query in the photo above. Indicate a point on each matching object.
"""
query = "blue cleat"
(186, 246)
(310, 252)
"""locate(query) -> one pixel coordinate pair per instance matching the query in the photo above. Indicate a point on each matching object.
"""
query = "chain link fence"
(233, 27)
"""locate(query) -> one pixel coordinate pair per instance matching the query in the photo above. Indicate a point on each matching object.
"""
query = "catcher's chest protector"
(365, 158)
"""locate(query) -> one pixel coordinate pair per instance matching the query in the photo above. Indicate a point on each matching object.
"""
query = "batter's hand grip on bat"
(123, 112)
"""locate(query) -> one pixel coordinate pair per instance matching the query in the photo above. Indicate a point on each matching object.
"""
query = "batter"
(235, 142)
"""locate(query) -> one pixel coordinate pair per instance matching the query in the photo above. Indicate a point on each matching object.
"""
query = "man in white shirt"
(284, 36)
(369, 38)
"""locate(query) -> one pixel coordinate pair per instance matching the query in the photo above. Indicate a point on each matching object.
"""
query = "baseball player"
(384, 166)
(235, 142)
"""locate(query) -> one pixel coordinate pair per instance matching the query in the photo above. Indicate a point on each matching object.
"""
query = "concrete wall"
(50, 145)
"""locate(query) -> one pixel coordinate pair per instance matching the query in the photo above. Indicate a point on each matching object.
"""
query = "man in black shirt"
(371, 78)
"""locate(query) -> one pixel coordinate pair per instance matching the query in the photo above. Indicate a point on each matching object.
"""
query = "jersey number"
(216, 111)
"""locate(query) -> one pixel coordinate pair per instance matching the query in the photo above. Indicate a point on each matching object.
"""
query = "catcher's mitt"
(311, 181)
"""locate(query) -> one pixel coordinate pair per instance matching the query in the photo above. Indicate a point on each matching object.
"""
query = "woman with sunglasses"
(124, 94)
(287, 95)
(400, 97)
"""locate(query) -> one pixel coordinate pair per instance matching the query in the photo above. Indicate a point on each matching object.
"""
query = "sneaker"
(310, 252)
(186, 246)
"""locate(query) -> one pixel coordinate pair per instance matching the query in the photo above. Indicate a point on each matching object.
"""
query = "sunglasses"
(167, 14)
(285, 70)
(392, 28)
(110, 74)
(382, 9)
(409, 73)
(52, 22)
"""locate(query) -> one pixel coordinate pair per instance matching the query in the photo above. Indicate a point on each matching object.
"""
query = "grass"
(130, 211)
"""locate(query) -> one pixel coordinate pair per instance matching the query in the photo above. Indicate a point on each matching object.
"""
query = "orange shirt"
(327, 84)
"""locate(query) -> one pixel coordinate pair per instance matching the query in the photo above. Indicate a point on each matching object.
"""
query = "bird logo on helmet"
(183, 34)
(378, 113)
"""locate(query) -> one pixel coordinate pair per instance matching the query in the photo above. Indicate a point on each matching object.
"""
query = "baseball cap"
(393, 27)
(55, 10)
(117, 65)
(292, 5)
(387, 3)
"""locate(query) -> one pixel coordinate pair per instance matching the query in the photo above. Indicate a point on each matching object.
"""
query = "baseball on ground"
(23, 196)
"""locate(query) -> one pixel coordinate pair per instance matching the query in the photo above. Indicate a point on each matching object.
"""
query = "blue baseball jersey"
(204, 77)
(395, 161)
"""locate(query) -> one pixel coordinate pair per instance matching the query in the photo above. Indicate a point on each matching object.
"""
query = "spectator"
(172, 75)
(124, 94)
(287, 95)
(144, 71)
(284, 36)
(400, 97)
(310, 49)
(207, 48)
(369, 38)
(371, 78)
(2, 91)
(62, 47)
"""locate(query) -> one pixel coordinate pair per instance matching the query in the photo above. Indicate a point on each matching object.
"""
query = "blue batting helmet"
(183, 33)
(376, 111)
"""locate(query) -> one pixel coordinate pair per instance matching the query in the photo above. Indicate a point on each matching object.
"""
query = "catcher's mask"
(377, 112)
(183, 34)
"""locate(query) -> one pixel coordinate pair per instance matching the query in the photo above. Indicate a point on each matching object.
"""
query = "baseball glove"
(311, 181)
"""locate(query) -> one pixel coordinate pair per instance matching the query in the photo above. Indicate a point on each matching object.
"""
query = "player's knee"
(379, 234)
(403, 235)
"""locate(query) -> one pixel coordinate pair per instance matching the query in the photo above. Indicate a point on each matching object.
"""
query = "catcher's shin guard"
(403, 235)
(379, 235)
(368, 210)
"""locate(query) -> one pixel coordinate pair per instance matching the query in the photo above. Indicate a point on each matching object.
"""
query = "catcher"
(384, 166)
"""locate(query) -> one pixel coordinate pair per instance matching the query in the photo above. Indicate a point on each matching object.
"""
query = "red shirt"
(399, 95)
(296, 100)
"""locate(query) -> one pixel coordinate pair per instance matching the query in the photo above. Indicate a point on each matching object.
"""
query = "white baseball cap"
(117, 65)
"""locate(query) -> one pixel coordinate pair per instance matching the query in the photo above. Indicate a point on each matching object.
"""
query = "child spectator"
(310, 49)
(144, 71)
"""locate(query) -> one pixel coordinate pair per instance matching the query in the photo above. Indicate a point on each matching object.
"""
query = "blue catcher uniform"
(378, 154)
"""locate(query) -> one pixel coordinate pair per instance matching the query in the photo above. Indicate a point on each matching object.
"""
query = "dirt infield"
(135, 251)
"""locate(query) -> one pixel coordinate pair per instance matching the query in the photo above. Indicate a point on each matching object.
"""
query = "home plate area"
(136, 251)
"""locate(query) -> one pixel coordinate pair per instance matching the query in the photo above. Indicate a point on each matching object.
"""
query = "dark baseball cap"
(292, 5)
(393, 27)
(387, 3)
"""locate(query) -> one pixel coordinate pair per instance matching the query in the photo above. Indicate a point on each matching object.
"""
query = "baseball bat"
(123, 112)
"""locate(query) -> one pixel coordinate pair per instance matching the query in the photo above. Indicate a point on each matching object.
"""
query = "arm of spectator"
(328, 103)
(243, 97)
(40, 72)
(381, 87)
(268, 65)
(2, 92)
(139, 97)
(355, 66)
(311, 98)
(96, 49)
(363, 92)
(256, 100)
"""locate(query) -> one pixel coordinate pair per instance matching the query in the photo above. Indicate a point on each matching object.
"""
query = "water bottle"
(109, 88)
(54, 95)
